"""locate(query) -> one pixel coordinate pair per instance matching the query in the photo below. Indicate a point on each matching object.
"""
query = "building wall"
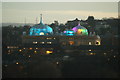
(61, 40)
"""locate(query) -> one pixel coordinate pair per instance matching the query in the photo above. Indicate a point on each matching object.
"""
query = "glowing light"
(97, 42)
(114, 56)
(57, 62)
(90, 50)
(40, 29)
(49, 42)
(105, 53)
(71, 42)
(35, 42)
(49, 52)
(23, 48)
(42, 42)
(69, 33)
(91, 53)
(36, 48)
(48, 38)
(90, 43)
(30, 48)
(20, 50)
(8, 47)
(35, 51)
(41, 33)
(29, 56)
(17, 63)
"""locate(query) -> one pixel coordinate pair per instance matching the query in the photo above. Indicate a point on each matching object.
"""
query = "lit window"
(90, 43)
(48, 38)
(35, 51)
(8, 47)
(29, 56)
(114, 56)
(104, 53)
(36, 48)
(34, 42)
(30, 48)
(49, 52)
(49, 42)
(42, 42)
(71, 42)
(16, 63)
(20, 50)
(91, 53)
(97, 42)
(41, 33)
(90, 50)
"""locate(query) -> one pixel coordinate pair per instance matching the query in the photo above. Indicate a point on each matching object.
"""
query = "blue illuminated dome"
(69, 32)
(40, 29)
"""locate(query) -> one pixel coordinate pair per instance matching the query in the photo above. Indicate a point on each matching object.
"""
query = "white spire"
(79, 23)
(40, 18)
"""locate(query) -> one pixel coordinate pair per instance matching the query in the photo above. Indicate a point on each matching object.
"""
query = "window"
(71, 42)
(41, 33)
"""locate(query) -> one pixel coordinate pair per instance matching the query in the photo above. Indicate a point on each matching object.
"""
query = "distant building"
(43, 34)
(40, 29)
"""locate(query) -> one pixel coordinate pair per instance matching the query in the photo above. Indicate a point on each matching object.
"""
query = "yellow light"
(20, 50)
(42, 42)
(48, 52)
(49, 42)
(17, 63)
(114, 56)
(36, 48)
(97, 42)
(29, 56)
(90, 50)
(23, 48)
(30, 48)
(41, 33)
(35, 51)
(34, 42)
(91, 53)
(71, 42)
(48, 38)
(90, 43)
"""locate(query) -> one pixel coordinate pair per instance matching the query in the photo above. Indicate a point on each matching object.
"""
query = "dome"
(40, 29)
(69, 32)
(80, 30)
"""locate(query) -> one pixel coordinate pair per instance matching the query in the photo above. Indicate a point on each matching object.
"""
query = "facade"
(41, 34)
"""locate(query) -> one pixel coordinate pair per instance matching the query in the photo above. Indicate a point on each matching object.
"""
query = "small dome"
(40, 29)
(80, 30)
(69, 32)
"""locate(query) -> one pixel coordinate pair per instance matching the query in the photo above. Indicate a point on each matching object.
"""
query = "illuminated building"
(69, 32)
(42, 35)
(80, 30)
(40, 29)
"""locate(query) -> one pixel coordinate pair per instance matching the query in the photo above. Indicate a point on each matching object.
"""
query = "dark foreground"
(63, 65)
